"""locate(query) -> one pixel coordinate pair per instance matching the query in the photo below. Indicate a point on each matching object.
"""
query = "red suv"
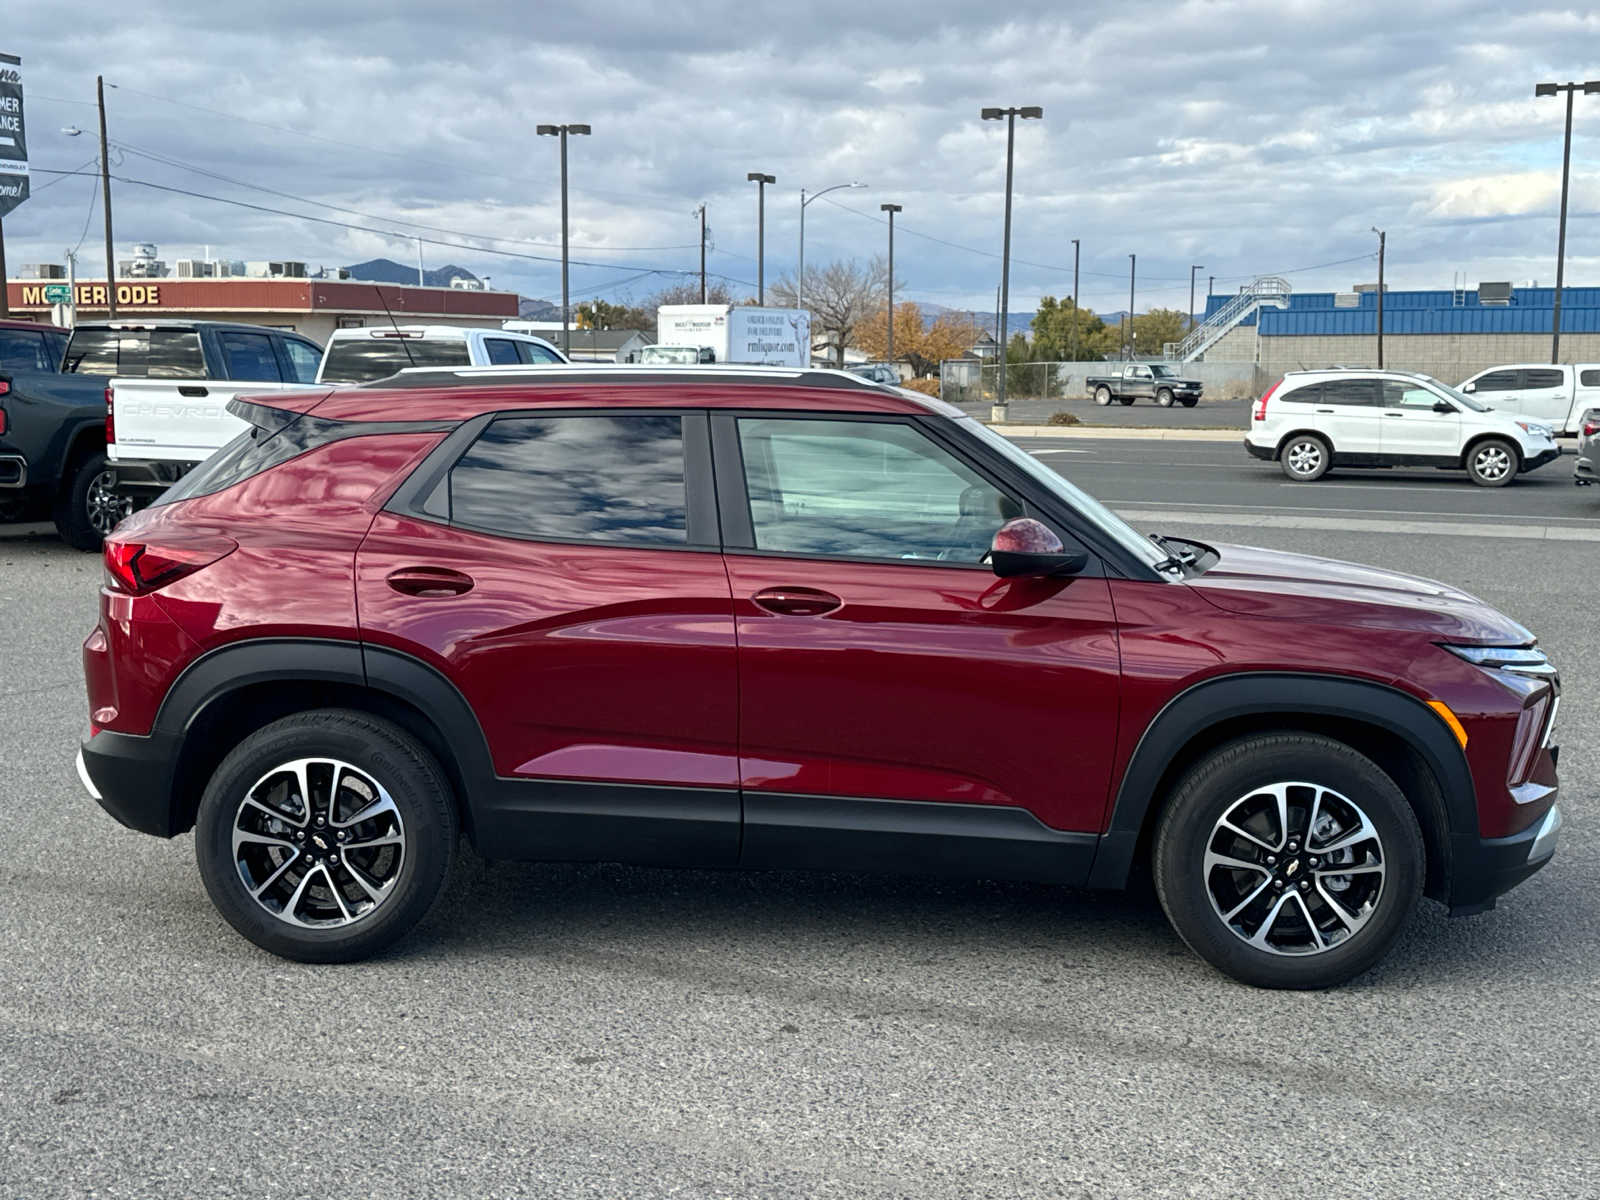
(764, 618)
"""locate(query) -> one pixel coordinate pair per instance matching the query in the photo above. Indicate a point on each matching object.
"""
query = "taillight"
(1260, 413)
(111, 420)
(1590, 427)
(139, 567)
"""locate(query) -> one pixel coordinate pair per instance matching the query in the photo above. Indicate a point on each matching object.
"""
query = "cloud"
(1254, 136)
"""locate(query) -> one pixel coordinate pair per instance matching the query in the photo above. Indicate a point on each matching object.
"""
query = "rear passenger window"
(1589, 378)
(1499, 381)
(576, 478)
(502, 352)
(250, 357)
(1352, 393)
(1544, 379)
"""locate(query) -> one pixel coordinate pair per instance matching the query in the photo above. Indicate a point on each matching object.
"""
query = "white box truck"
(738, 333)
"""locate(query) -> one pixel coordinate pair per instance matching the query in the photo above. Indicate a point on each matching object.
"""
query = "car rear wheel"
(1305, 457)
(89, 507)
(1492, 463)
(1288, 861)
(1102, 396)
(326, 835)
(1164, 397)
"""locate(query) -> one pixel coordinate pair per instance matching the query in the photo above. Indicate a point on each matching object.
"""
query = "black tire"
(1190, 401)
(1164, 397)
(1126, 399)
(427, 821)
(1226, 779)
(1102, 396)
(1493, 462)
(86, 508)
(1305, 457)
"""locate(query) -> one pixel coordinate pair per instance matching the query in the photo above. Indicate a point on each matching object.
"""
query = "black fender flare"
(1229, 697)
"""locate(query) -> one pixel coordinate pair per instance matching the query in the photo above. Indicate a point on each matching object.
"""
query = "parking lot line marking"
(1477, 529)
(1537, 518)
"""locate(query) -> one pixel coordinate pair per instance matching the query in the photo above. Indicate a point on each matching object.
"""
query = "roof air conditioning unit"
(286, 270)
(44, 271)
(1494, 293)
(194, 268)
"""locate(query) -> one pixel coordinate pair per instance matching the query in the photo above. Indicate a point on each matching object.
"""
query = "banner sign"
(13, 136)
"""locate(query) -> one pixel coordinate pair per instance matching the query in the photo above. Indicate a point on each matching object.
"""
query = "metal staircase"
(1270, 291)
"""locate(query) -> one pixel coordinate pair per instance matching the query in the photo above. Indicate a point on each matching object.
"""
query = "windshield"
(359, 360)
(1097, 514)
(1460, 398)
(672, 354)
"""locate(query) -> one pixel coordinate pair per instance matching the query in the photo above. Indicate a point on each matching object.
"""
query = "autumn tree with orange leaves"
(918, 344)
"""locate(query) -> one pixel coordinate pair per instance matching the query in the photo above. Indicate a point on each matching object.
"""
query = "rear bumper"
(1490, 867)
(1263, 452)
(139, 477)
(1586, 469)
(131, 778)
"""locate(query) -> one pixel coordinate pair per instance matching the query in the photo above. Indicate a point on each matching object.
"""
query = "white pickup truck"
(159, 429)
(1557, 394)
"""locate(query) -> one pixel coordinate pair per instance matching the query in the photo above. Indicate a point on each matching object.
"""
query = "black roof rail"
(557, 373)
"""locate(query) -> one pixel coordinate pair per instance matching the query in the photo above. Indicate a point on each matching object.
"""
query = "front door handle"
(1325, 410)
(1394, 414)
(429, 581)
(797, 601)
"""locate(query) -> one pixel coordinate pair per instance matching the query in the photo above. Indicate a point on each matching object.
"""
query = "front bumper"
(1535, 461)
(1485, 868)
(1263, 452)
(131, 778)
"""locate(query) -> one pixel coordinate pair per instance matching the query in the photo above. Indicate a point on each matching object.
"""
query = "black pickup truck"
(54, 405)
(1148, 381)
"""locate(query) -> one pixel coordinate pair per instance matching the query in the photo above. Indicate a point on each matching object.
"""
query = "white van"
(377, 351)
(1556, 394)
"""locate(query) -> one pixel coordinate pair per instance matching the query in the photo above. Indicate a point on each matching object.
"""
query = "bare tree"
(840, 296)
(688, 292)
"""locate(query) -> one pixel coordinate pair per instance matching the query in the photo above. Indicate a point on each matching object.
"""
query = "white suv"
(1310, 421)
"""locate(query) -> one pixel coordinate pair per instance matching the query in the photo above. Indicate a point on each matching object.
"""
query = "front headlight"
(1526, 672)
(1534, 429)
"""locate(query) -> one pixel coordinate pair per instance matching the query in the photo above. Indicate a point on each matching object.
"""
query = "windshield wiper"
(1177, 560)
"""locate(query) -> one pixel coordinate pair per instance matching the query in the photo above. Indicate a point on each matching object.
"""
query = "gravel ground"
(607, 1031)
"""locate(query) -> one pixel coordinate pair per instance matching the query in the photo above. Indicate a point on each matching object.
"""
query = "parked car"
(877, 372)
(782, 619)
(1150, 381)
(54, 454)
(1587, 469)
(1312, 421)
(1557, 395)
(361, 355)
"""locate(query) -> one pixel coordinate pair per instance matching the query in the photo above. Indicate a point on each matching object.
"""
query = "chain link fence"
(969, 383)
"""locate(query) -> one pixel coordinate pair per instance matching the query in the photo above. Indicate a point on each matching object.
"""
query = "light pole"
(1192, 271)
(1550, 89)
(891, 209)
(1133, 263)
(1074, 299)
(800, 276)
(1382, 240)
(562, 131)
(761, 181)
(1009, 115)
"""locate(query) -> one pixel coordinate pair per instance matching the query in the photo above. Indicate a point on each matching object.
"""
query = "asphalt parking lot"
(608, 1031)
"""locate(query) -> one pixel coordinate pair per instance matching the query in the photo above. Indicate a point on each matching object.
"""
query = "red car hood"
(1300, 587)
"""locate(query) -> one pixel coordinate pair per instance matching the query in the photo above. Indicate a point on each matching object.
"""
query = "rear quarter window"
(1590, 378)
(1308, 393)
(136, 353)
(357, 360)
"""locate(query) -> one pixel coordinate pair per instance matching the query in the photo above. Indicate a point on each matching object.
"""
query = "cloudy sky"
(1251, 137)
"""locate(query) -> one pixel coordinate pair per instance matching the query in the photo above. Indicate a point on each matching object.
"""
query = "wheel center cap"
(320, 841)
(1293, 869)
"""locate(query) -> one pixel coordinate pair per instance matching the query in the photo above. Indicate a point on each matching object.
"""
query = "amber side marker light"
(1449, 718)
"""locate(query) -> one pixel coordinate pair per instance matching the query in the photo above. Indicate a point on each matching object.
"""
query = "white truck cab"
(374, 352)
(1557, 394)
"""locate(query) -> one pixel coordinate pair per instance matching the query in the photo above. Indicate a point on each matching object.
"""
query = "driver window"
(865, 489)
(1142, 372)
(1407, 395)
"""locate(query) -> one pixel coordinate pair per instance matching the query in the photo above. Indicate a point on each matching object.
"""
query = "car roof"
(1349, 372)
(438, 332)
(435, 394)
(179, 323)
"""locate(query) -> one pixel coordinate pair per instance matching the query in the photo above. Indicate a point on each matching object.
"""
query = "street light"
(1550, 89)
(1009, 115)
(1074, 299)
(891, 209)
(800, 278)
(1133, 263)
(761, 181)
(1383, 239)
(562, 131)
(1192, 271)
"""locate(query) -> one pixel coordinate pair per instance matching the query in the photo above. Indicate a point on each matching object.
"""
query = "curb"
(1113, 431)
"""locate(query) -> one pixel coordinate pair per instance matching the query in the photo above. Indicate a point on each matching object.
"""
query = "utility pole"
(1382, 238)
(1211, 289)
(702, 254)
(1192, 271)
(1009, 115)
(1002, 355)
(105, 199)
(562, 131)
(1074, 299)
(1551, 89)
(1133, 262)
(419, 263)
(891, 209)
(761, 181)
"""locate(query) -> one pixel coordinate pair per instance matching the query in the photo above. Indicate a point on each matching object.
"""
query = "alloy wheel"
(105, 507)
(1492, 462)
(1304, 457)
(1294, 868)
(318, 843)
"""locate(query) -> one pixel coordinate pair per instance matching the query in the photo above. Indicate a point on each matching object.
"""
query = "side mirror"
(1469, 388)
(1025, 548)
(1443, 406)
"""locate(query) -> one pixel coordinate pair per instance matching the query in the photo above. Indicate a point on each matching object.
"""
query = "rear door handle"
(429, 581)
(192, 391)
(797, 601)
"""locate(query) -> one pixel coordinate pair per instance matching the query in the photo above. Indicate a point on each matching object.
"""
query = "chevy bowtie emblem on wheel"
(1289, 872)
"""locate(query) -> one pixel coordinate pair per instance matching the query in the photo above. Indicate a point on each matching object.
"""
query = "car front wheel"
(326, 835)
(1164, 398)
(1305, 458)
(1102, 396)
(1288, 861)
(1492, 463)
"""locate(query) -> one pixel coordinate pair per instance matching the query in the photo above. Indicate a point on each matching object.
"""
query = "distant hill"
(386, 270)
(531, 309)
